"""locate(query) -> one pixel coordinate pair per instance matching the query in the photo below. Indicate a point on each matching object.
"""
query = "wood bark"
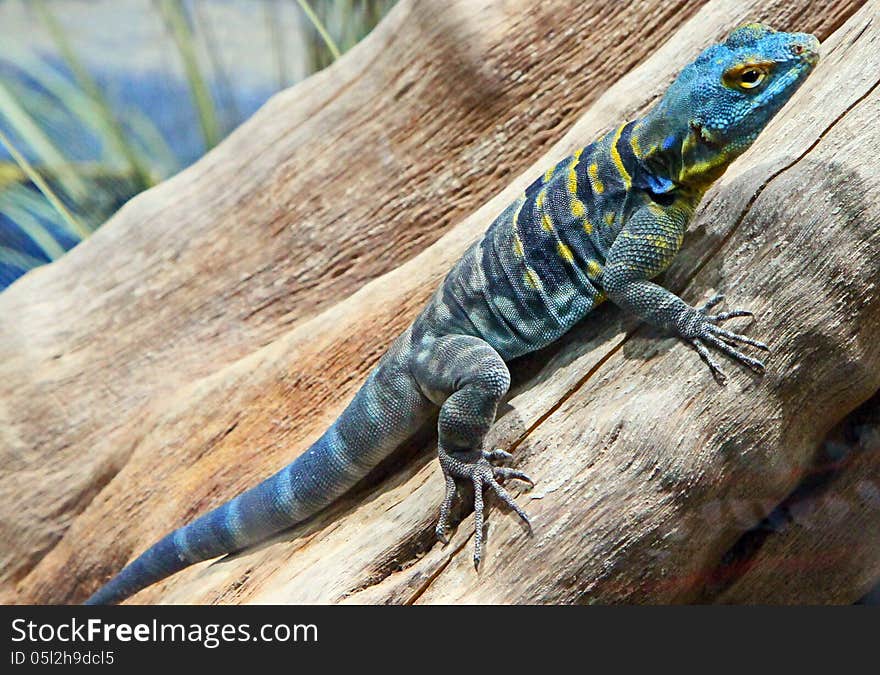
(212, 330)
(331, 184)
(822, 543)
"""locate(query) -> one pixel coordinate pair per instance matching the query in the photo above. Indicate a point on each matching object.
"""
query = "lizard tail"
(388, 409)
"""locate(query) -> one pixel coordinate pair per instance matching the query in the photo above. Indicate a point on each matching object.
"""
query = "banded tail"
(387, 410)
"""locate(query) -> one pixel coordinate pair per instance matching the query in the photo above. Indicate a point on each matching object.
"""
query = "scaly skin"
(599, 225)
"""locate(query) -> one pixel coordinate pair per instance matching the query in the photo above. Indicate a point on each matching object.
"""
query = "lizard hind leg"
(470, 378)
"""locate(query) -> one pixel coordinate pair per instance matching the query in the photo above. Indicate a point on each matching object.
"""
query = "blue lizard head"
(719, 104)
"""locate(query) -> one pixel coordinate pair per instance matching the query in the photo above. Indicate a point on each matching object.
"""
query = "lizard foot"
(483, 474)
(704, 331)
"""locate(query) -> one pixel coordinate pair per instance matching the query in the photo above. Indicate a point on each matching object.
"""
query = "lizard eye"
(745, 77)
(751, 78)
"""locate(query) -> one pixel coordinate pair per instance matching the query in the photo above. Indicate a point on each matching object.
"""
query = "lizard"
(597, 226)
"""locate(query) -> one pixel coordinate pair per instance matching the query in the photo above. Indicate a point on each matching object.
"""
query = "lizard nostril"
(806, 52)
(806, 48)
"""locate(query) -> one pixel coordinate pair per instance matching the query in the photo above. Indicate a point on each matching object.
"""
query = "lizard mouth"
(703, 135)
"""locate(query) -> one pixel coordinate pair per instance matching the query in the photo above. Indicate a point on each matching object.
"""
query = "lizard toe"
(482, 474)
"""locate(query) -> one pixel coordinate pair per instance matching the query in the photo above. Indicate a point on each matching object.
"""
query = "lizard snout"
(807, 48)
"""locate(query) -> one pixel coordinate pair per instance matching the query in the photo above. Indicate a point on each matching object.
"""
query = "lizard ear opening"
(659, 186)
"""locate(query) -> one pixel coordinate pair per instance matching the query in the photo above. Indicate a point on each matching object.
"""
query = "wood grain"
(822, 543)
(329, 185)
(647, 471)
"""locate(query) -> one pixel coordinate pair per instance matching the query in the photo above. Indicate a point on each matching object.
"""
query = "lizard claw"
(710, 333)
(706, 355)
(482, 474)
(502, 473)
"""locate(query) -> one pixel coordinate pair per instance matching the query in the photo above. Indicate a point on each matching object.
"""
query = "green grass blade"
(146, 134)
(174, 14)
(9, 256)
(31, 133)
(72, 222)
(60, 109)
(319, 26)
(113, 131)
(18, 204)
(58, 94)
(228, 102)
(10, 174)
(276, 38)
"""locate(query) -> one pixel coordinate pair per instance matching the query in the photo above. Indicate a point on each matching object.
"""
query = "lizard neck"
(675, 155)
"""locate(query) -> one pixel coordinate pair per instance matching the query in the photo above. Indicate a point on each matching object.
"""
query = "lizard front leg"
(644, 248)
(468, 378)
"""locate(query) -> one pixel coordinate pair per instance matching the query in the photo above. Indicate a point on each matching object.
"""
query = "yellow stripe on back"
(531, 278)
(564, 252)
(634, 144)
(517, 242)
(577, 206)
(593, 171)
(573, 179)
(618, 162)
(518, 246)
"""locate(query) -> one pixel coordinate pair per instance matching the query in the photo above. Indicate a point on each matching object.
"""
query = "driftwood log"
(825, 536)
(213, 328)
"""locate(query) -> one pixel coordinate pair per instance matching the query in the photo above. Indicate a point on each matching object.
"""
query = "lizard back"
(535, 272)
